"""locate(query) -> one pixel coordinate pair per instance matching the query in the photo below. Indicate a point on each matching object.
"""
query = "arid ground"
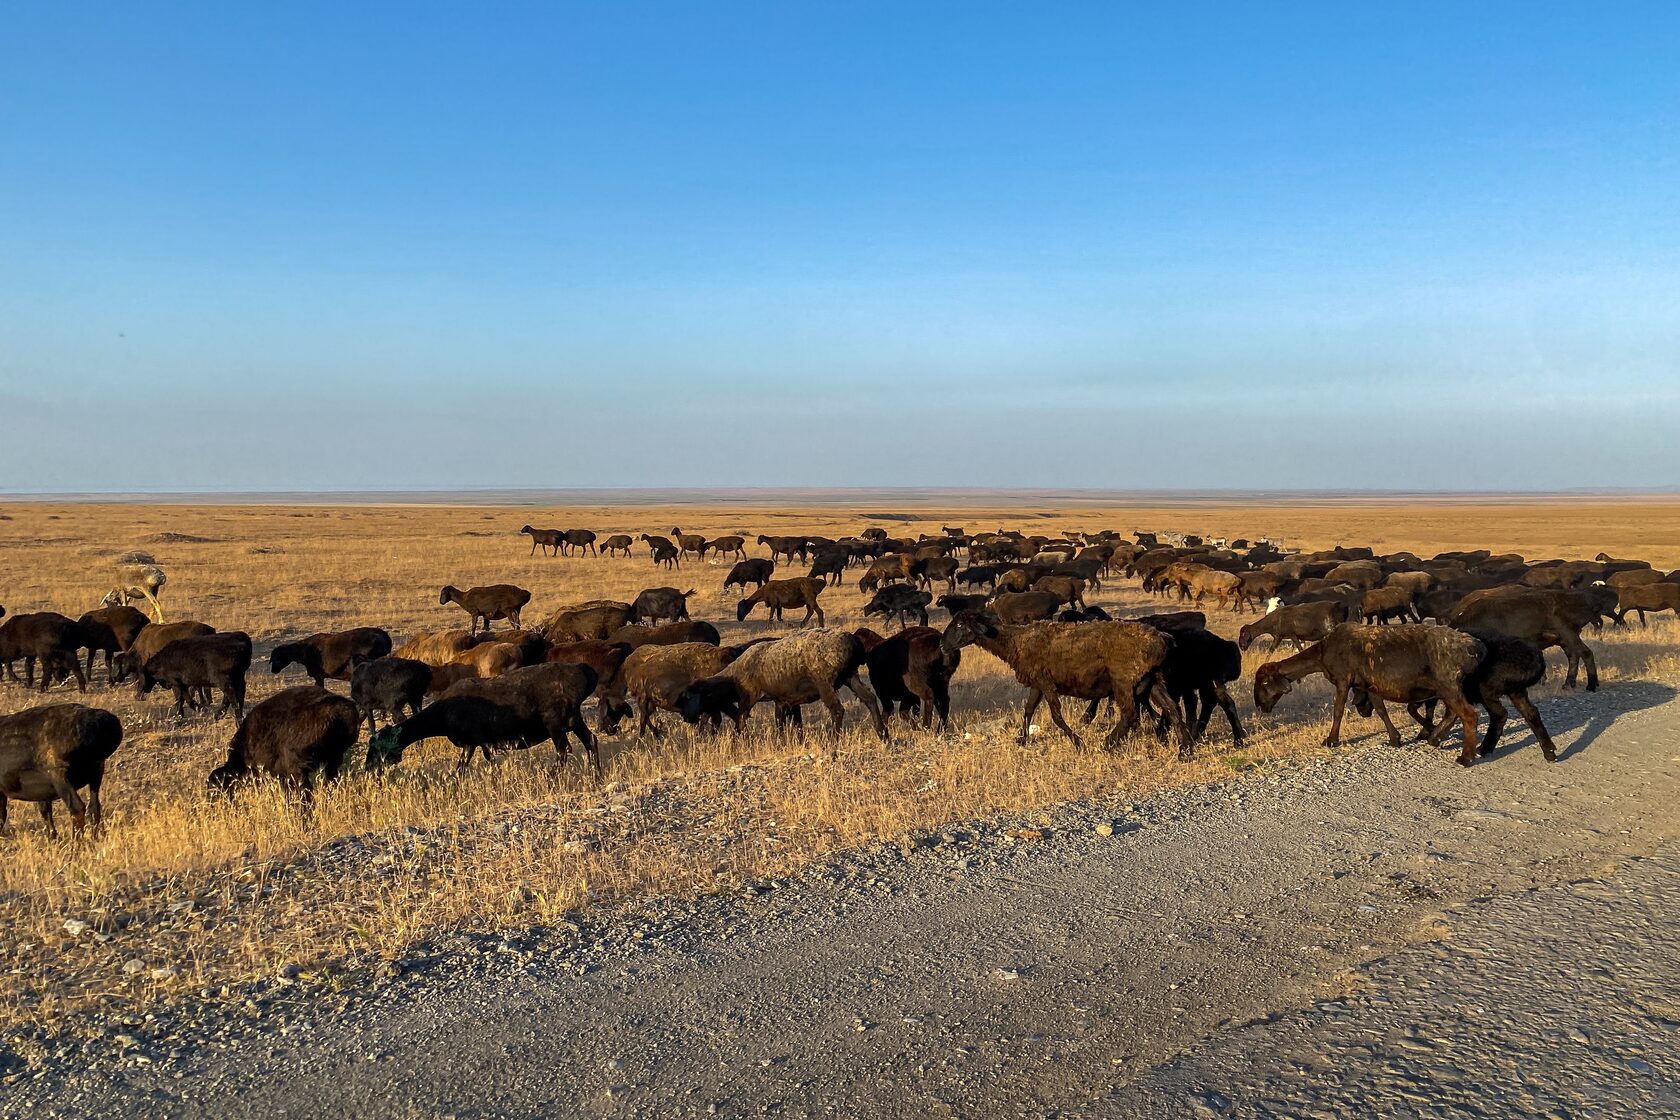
(191, 900)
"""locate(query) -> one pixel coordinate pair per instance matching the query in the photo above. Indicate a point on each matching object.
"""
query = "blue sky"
(421, 246)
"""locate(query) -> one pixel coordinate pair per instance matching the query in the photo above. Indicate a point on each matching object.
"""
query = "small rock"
(75, 927)
(1007, 973)
(134, 966)
(1105, 828)
(126, 1041)
(1639, 1065)
(167, 972)
(289, 972)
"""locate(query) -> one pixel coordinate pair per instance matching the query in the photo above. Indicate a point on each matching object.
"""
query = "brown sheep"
(587, 621)
(1546, 617)
(191, 667)
(1118, 661)
(1389, 663)
(436, 648)
(1297, 623)
(670, 634)
(1025, 606)
(789, 673)
(606, 660)
(547, 538)
(937, 568)
(1383, 603)
(655, 677)
(294, 735)
(491, 659)
(531, 644)
(779, 594)
(50, 752)
(45, 636)
(548, 698)
(912, 669)
(735, 544)
(1198, 582)
(756, 571)
(1360, 574)
(488, 604)
(690, 542)
(790, 547)
(580, 540)
(656, 603)
(111, 630)
(1067, 589)
(331, 655)
(389, 686)
(1642, 597)
(887, 569)
(618, 542)
(666, 554)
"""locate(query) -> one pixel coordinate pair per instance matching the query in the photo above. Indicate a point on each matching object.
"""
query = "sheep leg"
(1222, 697)
(941, 689)
(581, 730)
(67, 794)
(1381, 709)
(1055, 699)
(1496, 723)
(1467, 715)
(866, 697)
(1337, 708)
(1126, 715)
(46, 808)
(1091, 712)
(5, 804)
(1526, 707)
(1033, 698)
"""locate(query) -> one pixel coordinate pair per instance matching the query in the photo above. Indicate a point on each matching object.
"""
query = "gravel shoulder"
(1310, 936)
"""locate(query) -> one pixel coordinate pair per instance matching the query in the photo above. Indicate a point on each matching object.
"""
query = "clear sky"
(411, 245)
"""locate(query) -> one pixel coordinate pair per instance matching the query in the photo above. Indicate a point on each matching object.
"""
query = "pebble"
(134, 966)
(75, 927)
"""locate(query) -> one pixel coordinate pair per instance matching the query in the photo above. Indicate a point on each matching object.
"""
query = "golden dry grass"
(531, 837)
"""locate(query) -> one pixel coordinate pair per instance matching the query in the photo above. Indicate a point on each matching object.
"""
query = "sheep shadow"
(1590, 719)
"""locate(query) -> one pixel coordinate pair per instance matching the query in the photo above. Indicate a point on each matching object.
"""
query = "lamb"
(1389, 663)
(331, 654)
(587, 621)
(1383, 603)
(296, 735)
(581, 541)
(829, 565)
(1545, 617)
(389, 686)
(436, 648)
(912, 669)
(1654, 597)
(901, 601)
(1025, 606)
(488, 604)
(789, 672)
(690, 542)
(656, 603)
(755, 571)
(618, 542)
(191, 666)
(547, 538)
(471, 723)
(45, 636)
(956, 604)
(732, 543)
(1297, 623)
(655, 677)
(1086, 660)
(666, 554)
(779, 594)
(110, 630)
(549, 699)
(50, 752)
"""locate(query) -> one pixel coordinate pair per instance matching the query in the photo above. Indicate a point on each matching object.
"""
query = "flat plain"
(193, 899)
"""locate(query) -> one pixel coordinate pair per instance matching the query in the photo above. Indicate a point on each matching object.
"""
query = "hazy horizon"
(379, 248)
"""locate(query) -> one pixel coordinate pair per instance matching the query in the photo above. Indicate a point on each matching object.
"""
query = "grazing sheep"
(936, 568)
(606, 660)
(790, 547)
(1119, 661)
(1388, 663)
(956, 604)
(109, 630)
(790, 672)
(331, 655)
(50, 752)
(587, 621)
(1387, 602)
(618, 542)
(193, 666)
(779, 594)
(887, 569)
(436, 648)
(900, 601)
(1067, 589)
(155, 637)
(657, 603)
(912, 669)
(547, 538)
(829, 565)
(390, 686)
(294, 735)
(1654, 597)
(548, 698)
(471, 723)
(1298, 623)
(755, 571)
(45, 636)
(490, 659)
(581, 541)
(666, 554)
(655, 677)
(531, 644)
(1199, 581)
(690, 542)
(1025, 606)
(488, 604)
(735, 544)
(655, 543)
(1545, 617)
(982, 576)
(670, 634)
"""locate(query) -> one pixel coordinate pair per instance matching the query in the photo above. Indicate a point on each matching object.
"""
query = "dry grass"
(530, 838)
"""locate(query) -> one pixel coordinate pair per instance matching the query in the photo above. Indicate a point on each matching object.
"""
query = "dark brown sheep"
(1297, 623)
(779, 594)
(670, 634)
(1642, 597)
(153, 638)
(690, 542)
(587, 621)
(390, 686)
(1068, 589)
(656, 603)
(296, 735)
(912, 669)
(731, 543)
(471, 723)
(901, 601)
(655, 677)
(546, 538)
(828, 565)
(1389, 663)
(791, 547)
(1014, 607)
(193, 666)
(887, 569)
(548, 698)
(756, 571)
(956, 604)
(581, 541)
(488, 604)
(789, 673)
(1380, 604)
(936, 568)
(110, 630)
(331, 655)
(666, 554)
(618, 542)
(1118, 661)
(984, 575)
(1545, 617)
(606, 659)
(50, 752)
(45, 636)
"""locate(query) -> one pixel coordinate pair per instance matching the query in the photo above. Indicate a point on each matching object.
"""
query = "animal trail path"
(1381, 934)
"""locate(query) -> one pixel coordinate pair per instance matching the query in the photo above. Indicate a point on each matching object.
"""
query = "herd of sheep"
(1456, 630)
